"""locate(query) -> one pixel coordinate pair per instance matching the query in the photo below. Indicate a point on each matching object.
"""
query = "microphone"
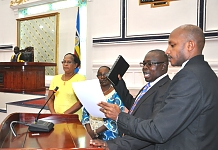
(40, 125)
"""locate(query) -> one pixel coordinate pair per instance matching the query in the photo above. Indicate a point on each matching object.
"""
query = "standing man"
(188, 120)
(147, 103)
(18, 56)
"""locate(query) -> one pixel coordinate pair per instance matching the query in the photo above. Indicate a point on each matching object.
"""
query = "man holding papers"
(188, 119)
(147, 102)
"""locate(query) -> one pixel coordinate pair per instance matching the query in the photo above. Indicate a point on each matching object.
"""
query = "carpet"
(39, 102)
(34, 103)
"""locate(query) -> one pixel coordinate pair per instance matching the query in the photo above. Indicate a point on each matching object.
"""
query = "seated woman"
(64, 101)
(103, 128)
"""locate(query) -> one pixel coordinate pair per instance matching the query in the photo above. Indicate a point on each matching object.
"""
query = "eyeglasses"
(101, 75)
(149, 63)
(67, 62)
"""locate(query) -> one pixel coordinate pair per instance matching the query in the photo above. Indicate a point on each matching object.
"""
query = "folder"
(120, 66)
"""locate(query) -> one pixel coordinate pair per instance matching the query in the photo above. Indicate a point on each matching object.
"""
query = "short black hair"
(160, 53)
(104, 67)
(17, 48)
(75, 59)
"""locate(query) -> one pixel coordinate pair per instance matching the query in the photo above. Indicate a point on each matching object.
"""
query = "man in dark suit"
(18, 56)
(154, 68)
(188, 119)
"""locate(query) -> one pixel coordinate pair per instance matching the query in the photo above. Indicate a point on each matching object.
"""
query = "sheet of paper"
(90, 94)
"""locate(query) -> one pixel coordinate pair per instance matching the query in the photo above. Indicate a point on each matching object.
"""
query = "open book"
(120, 66)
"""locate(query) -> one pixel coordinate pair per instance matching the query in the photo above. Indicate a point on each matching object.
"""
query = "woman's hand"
(90, 131)
(92, 134)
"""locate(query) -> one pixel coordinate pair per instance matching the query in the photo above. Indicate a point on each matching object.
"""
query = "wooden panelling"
(68, 133)
(23, 76)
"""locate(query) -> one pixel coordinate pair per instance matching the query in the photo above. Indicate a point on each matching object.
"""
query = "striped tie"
(145, 89)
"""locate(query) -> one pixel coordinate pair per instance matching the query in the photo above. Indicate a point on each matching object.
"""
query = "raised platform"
(18, 102)
(30, 102)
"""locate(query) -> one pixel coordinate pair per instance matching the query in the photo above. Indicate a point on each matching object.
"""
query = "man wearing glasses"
(150, 98)
(188, 119)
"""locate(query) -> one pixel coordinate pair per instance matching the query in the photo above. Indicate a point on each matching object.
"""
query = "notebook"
(120, 66)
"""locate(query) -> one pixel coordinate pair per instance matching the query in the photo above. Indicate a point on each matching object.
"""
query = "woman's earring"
(76, 70)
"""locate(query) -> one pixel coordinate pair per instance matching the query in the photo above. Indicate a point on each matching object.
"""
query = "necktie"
(145, 89)
(15, 57)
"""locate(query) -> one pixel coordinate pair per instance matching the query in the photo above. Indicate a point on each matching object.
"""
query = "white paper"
(90, 94)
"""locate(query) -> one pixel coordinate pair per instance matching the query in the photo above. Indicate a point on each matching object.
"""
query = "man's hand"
(99, 143)
(119, 77)
(110, 110)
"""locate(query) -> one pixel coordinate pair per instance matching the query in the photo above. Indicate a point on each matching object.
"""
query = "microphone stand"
(54, 91)
(16, 122)
(40, 125)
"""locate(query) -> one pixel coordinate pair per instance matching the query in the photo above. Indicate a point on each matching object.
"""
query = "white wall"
(67, 32)
(104, 20)
(144, 21)
(7, 29)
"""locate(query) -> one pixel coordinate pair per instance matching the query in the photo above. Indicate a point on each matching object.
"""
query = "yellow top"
(65, 96)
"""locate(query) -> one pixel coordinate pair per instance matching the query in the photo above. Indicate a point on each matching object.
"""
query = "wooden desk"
(68, 133)
(23, 76)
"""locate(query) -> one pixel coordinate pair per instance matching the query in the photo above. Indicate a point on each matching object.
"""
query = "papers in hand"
(90, 94)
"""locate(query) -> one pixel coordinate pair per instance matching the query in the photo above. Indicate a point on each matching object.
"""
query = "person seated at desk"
(18, 56)
(103, 128)
(64, 101)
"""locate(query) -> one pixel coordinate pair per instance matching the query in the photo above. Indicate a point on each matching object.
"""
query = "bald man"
(188, 119)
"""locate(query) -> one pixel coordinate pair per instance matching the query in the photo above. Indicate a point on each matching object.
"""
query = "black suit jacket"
(147, 106)
(188, 120)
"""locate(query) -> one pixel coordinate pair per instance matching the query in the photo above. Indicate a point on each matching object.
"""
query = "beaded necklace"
(107, 90)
